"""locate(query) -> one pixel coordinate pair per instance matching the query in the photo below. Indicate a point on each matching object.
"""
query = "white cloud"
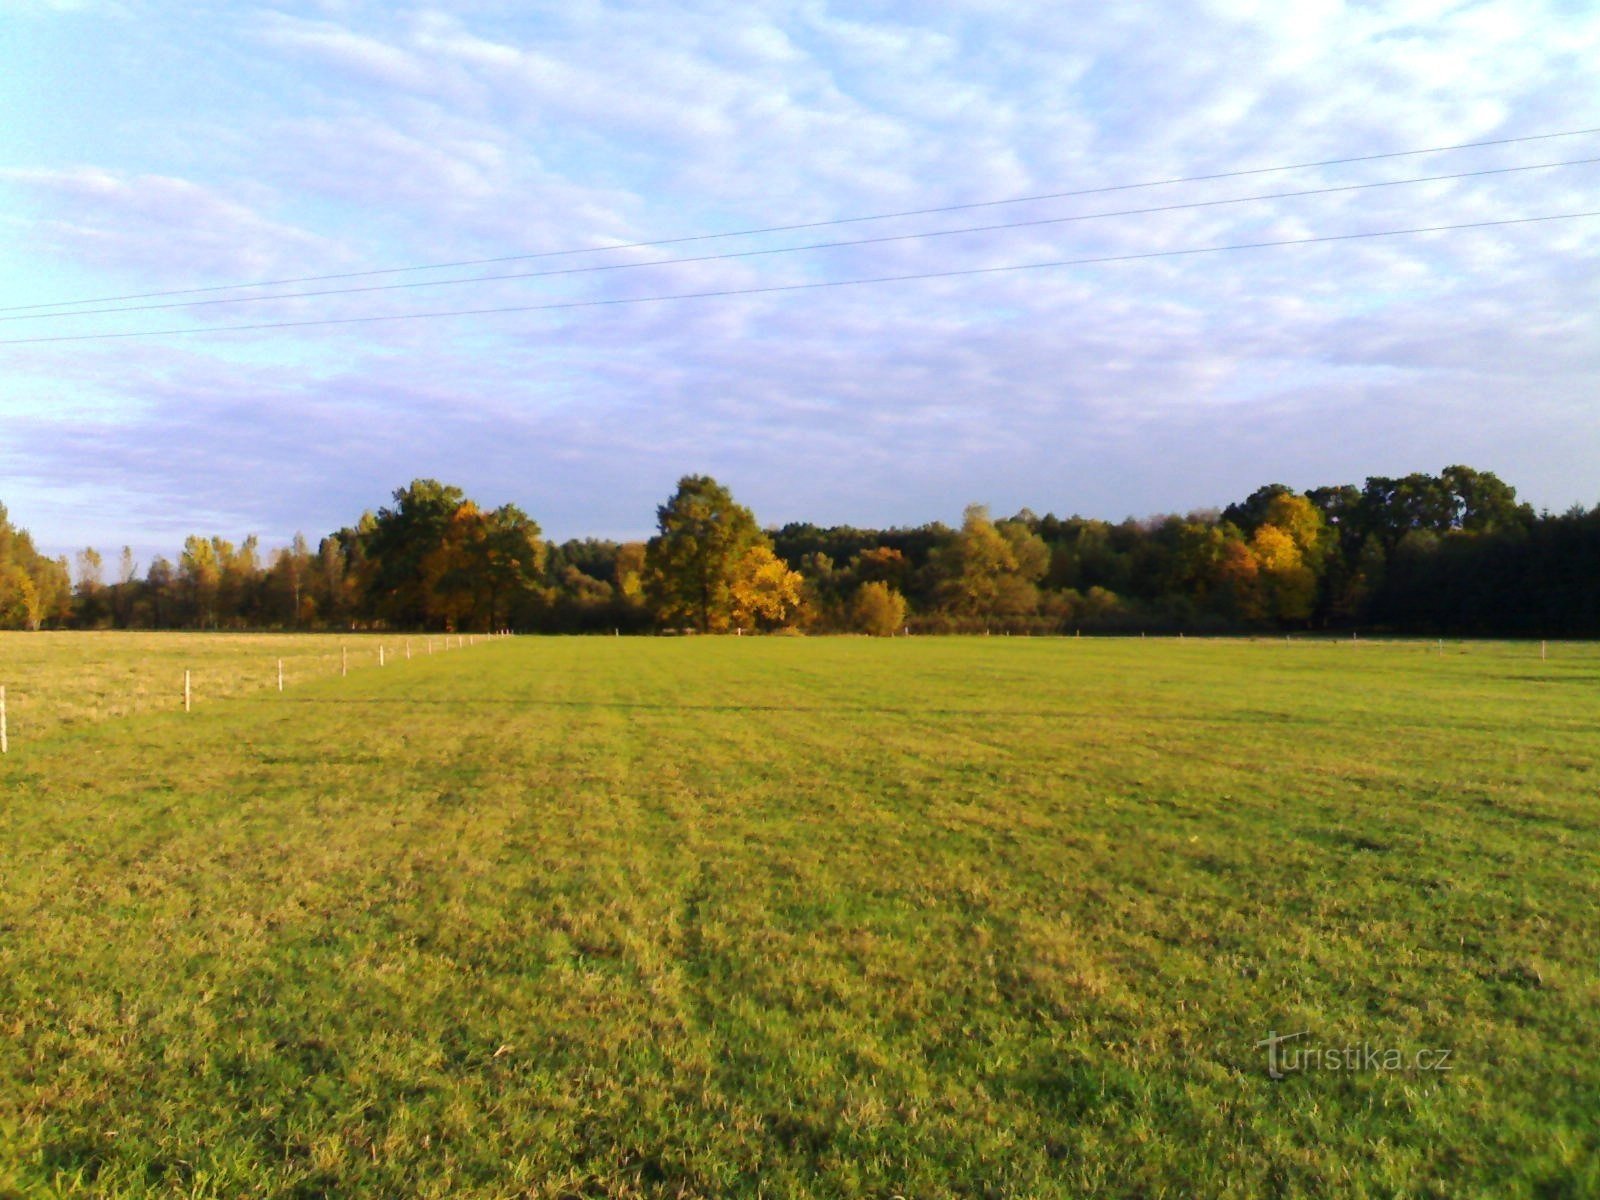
(163, 228)
(396, 136)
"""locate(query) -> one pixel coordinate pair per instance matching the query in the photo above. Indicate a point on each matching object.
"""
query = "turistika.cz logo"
(1286, 1055)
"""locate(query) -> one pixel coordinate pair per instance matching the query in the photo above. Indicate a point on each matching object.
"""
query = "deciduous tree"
(692, 561)
(878, 609)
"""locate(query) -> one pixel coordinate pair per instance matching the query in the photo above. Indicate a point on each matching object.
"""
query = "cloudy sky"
(150, 148)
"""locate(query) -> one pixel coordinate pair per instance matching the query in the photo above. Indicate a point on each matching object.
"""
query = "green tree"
(992, 570)
(125, 591)
(693, 560)
(400, 544)
(160, 584)
(510, 558)
(1484, 504)
(89, 592)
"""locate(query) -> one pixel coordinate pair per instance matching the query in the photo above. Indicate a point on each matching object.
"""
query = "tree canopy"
(695, 560)
(1454, 552)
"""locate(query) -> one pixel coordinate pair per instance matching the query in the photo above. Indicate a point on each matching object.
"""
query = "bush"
(879, 610)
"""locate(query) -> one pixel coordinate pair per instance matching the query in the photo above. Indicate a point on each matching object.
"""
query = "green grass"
(55, 681)
(812, 917)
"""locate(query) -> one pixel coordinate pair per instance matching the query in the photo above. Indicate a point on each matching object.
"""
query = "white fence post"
(280, 674)
(5, 744)
(186, 691)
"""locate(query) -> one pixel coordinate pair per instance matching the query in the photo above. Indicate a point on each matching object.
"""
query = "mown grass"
(62, 680)
(983, 917)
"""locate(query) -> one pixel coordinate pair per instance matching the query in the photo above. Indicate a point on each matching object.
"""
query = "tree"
(882, 564)
(1484, 504)
(160, 585)
(241, 575)
(1252, 511)
(509, 559)
(692, 562)
(991, 570)
(125, 591)
(286, 589)
(764, 592)
(89, 591)
(334, 586)
(878, 609)
(629, 571)
(447, 575)
(400, 544)
(1238, 578)
(200, 578)
(34, 590)
(1291, 585)
(19, 598)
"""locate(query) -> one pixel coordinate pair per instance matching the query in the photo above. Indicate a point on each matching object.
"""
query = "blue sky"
(150, 147)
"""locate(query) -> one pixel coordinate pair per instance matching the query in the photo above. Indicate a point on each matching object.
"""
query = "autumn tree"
(238, 587)
(1237, 578)
(34, 590)
(878, 609)
(1290, 585)
(1291, 545)
(763, 592)
(694, 559)
(19, 598)
(629, 572)
(992, 570)
(287, 589)
(882, 564)
(200, 578)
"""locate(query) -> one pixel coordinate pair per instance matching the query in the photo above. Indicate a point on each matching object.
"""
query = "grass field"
(803, 918)
(55, 681)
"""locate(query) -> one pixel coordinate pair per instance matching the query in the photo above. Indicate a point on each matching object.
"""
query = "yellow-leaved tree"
(765, 593)
(878, 609)
(1291, 586)
(1291, 548)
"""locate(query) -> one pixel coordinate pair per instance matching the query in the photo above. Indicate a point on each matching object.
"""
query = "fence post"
(186, 691)
(380, 654)
(280, 674)
(344, 660)
(5, 744)
(408, 649)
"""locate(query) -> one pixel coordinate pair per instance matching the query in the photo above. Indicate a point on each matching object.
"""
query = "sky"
(150, 148)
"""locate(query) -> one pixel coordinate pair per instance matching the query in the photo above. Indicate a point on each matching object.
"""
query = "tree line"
(1453, 553)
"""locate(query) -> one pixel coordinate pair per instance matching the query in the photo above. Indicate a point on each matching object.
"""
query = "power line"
(837, 221)
(800, 287)
(834, 245)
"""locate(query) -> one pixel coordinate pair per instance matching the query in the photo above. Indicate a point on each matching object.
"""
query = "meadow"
(989, 917)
